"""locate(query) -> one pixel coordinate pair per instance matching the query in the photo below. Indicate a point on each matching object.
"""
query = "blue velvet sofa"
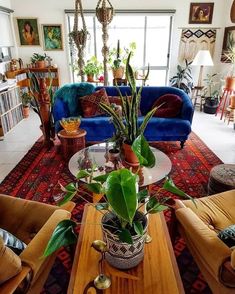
(158, 129)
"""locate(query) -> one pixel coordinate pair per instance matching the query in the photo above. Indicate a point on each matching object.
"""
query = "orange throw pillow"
(90, 103)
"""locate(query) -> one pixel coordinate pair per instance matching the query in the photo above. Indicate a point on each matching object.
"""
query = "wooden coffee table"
(158, 273)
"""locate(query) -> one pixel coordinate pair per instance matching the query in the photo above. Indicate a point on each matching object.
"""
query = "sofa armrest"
(187, 108)
(203, 241)
(33, 254)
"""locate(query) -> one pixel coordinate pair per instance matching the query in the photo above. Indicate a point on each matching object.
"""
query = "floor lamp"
(203, 58)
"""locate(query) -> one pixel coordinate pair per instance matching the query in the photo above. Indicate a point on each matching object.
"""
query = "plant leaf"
(138, 228)
(125, 236)
(142, 150)
(95, 188)
(101, 178)
(63, 235)
(82, 174)
(121, 193)
(70, 187)
(68, 196)
(143, 194)
(102, 206)
(153, 206)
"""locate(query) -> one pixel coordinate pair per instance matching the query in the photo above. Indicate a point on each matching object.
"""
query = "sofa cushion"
(227, 235)
(10, 263)
(12, 242)
(90, 103)
(170, 105)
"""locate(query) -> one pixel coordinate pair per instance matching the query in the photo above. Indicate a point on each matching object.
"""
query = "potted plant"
(92, 68)
(124, 222)
(211, 94)
(128, 128)
(26, 99)
(39, 60)
(183, 78)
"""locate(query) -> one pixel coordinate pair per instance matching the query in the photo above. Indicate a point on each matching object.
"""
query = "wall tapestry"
(194, 39)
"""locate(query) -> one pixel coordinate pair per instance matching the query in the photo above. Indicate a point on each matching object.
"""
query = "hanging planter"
(79, 37)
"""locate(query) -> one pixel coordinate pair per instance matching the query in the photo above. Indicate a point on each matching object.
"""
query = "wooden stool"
(72, 143)
(222, 178)
(229, 114)
(197, 95)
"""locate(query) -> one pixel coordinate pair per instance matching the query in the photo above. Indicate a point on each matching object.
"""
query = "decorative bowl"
(71, 124)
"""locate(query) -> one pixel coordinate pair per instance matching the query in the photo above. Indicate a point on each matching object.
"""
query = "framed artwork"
(228, 43)
(28, 31)
(52, 37)
(201, 13)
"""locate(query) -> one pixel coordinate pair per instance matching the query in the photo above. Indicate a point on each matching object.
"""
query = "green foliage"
(93, 66)
(38, 57)
(63, 235)
(143, 152)
(118, 57)
(26, 99)
(183, 78)
(212, 88)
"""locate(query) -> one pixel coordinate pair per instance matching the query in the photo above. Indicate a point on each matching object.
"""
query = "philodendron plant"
(121, 199)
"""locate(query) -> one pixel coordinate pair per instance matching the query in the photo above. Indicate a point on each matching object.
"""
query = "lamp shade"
(203, 57)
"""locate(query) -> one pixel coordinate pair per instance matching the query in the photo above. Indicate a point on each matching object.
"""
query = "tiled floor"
(214, 132)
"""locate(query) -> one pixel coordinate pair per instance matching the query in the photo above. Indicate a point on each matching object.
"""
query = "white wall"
(5, 3)
(52, 11)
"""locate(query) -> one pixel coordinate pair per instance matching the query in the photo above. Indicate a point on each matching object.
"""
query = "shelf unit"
(24, 83)
(10, 109)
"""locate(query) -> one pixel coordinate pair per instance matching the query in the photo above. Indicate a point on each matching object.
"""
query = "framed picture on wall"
(201, 13)
(28, 31)
(228, 45)
(52, 37)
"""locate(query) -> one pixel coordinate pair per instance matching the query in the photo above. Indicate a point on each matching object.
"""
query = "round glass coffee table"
(98, 154)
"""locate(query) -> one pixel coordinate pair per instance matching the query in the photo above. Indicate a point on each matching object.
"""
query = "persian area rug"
(37, 174)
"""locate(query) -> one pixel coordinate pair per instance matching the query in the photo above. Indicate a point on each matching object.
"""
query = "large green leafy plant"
(121, 200)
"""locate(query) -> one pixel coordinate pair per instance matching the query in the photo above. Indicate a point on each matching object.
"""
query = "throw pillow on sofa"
(90, 103)
(12, 242)
(170, 106)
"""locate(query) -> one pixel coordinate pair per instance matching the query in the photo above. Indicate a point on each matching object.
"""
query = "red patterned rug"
(37, 174)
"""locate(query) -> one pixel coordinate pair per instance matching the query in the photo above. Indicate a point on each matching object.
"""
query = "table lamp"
(203, 58)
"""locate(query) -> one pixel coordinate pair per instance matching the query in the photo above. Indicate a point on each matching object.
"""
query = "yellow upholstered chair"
(33, 223)
(199, 226)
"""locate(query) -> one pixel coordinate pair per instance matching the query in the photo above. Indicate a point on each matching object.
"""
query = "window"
(151, 33)
(6, 40)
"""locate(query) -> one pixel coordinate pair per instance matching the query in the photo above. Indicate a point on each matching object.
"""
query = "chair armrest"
(33, 254)
(203, 241)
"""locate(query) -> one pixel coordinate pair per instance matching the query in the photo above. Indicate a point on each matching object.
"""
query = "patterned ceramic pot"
(122, 255)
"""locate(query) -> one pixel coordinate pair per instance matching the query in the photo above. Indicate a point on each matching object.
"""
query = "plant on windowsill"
(92, 68)
(124, 223)
(183, 78)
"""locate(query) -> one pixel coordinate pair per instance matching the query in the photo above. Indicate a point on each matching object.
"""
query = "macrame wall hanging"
(104, 14)
(79, 37)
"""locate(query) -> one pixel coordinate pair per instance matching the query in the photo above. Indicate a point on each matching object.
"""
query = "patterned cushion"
(228, 236)
(90, 103)
(171, 105)
(12, 242)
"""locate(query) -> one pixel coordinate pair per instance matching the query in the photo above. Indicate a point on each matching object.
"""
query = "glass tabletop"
(98, 154)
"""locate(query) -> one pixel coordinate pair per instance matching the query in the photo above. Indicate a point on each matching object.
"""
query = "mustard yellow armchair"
(33, 223)
(199, 227)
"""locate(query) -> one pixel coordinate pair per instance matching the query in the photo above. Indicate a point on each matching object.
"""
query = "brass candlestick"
(101, 281)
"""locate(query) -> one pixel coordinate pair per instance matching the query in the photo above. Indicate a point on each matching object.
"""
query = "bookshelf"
(23, 82)
(10, 109)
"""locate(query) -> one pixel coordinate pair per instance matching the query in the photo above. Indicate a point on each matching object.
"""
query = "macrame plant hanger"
(79, 37)
(104, 14)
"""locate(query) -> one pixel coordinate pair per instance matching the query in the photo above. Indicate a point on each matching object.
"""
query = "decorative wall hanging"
(28, 31)
(79, 37)
(232, 12)
(104, 14)
(201, 13)
(195, 39)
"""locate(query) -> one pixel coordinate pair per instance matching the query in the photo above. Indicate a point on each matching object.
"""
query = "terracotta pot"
(123, 255)
(40, 64)
(118, 73)
(232, 101)
(25, 111)
(129, 155)
(230, 83)
(90, 78)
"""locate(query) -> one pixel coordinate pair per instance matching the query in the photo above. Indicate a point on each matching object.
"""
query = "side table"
(72, 143)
